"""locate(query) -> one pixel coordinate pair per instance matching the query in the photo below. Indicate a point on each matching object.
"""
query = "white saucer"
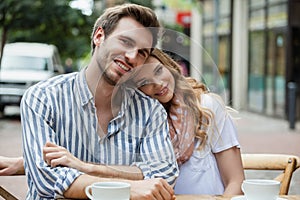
(244, 198)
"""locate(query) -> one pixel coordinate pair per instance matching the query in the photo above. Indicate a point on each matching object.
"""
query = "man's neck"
(96, 83)
(103, 93)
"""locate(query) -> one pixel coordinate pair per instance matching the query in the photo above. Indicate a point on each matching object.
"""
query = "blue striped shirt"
(62, 110)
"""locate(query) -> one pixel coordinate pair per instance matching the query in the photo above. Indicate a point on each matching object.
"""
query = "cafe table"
(212, 197)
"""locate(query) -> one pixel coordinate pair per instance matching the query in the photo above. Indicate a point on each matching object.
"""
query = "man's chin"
(109, 80)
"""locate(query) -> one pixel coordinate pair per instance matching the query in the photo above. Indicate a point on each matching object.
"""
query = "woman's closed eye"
(142, 83)
(158, 70)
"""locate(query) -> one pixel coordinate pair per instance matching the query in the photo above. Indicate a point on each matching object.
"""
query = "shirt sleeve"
(36, 117)
(223, 134)
(156, 150)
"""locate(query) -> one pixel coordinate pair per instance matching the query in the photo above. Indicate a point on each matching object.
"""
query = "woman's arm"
(11, 166)
(231, 170)
(56, 155)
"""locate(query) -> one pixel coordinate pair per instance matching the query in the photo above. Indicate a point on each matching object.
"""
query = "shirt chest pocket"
(200, 163)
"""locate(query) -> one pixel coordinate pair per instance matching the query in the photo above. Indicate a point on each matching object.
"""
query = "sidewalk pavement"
(261, 134)
(257, 134)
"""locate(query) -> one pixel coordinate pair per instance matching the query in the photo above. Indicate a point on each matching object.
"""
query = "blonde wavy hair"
(191, 90)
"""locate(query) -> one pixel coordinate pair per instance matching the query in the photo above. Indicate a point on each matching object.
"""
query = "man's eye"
(126, 42)
(143, 53)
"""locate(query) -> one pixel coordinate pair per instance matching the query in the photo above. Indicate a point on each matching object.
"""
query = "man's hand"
(11, 166)
(150, 189)
(55, 155)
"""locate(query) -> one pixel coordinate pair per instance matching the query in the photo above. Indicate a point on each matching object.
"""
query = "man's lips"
(122, 66)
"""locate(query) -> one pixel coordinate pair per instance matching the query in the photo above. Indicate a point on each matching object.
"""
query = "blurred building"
(255, 45)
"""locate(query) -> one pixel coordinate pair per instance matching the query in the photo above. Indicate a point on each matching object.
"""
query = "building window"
(267, 50)
(217, 45)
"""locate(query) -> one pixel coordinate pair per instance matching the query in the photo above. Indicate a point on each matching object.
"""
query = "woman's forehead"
(152, 59)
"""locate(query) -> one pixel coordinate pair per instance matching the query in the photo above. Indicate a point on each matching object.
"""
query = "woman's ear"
(99, 36)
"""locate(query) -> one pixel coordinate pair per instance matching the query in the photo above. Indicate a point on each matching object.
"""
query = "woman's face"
(156, 81)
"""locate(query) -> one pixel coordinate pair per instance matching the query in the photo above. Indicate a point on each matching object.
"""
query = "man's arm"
(56, 155)
(140, 190)
(156, 154)
(143, 189)
(37, 118)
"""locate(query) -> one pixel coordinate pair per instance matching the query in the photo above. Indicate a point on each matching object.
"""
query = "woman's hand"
(55, 155)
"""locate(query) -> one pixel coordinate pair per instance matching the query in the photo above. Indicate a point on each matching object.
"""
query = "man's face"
(127, 47)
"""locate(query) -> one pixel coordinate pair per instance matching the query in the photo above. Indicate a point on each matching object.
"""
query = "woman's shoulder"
(208, 100)
(212, 101)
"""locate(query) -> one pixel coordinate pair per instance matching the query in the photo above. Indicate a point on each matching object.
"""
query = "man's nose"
(132, 57)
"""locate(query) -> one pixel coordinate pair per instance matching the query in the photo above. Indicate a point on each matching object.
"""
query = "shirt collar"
(83, 90)
(86, 95)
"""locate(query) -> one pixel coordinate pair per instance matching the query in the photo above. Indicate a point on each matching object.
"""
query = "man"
(74, 111)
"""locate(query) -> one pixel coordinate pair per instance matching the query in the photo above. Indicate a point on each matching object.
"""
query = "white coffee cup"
(261, 189)
(108, 190)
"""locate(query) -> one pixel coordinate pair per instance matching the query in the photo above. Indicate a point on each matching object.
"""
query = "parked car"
(23, 65)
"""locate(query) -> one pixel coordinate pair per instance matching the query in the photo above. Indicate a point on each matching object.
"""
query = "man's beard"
(108, 79)
(104, 72)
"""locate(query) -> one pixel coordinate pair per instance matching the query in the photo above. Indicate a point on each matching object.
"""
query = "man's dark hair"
(111, 16)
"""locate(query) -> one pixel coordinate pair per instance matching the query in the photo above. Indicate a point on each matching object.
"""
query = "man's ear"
(99, 36)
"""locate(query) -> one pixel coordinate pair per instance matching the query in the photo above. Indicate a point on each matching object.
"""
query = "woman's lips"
(163, 91)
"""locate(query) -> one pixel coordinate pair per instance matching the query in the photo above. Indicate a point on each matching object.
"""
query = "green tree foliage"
(46, 21)
(147, 3)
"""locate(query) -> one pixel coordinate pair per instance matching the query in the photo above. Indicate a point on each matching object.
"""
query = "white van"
(23, 65)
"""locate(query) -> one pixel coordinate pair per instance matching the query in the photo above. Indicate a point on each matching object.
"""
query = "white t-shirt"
(200, 174)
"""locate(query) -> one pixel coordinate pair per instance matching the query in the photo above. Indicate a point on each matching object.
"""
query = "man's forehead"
(130, 28)
(141, 36)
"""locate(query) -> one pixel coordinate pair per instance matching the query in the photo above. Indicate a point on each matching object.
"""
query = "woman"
(203, 135)
(215, 167)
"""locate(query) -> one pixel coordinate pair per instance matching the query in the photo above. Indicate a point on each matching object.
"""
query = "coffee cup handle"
(242, 187)
(87, 191)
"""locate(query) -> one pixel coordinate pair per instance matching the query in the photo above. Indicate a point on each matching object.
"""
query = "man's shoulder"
(54, 82)
(50, 86)
(58, 80)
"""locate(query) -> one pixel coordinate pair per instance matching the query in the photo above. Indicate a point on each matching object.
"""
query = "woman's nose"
(158, 82)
